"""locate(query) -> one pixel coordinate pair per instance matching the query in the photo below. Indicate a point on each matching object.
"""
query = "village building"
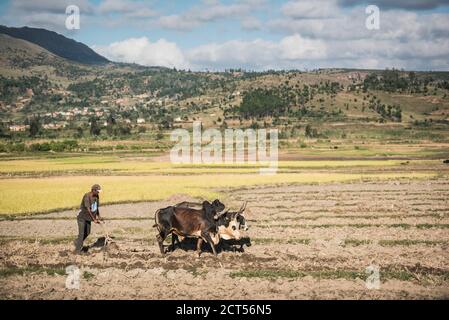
(18, 128)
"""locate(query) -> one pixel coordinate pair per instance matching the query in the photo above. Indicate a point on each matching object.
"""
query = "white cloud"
(237, 52)
(218, 11)
(143, 51)
(51, 14)
(251, 23)
(396, 25)
(142, 13)
(403, 4)
(291, 51)
(177, 22)
(406, 39)
(46, 14)
(296, 47)
(114, 6)
(211, 10)
(32, 6)
(310, 9)
(129, 9)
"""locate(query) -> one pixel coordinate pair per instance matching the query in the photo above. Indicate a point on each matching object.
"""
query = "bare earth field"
(307, 242)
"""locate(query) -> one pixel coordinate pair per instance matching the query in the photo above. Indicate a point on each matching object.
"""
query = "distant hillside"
(22, 58)
(56, 44)
(18, 53)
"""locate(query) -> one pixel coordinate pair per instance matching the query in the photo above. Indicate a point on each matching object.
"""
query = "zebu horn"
(243, 207)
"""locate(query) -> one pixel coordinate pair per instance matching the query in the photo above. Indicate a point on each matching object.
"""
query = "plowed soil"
(307, 242)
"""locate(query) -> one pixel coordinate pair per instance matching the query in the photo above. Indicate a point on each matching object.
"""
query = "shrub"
(57, 146)
(17, 147)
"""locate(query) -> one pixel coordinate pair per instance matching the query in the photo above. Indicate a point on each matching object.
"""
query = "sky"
(251, 34)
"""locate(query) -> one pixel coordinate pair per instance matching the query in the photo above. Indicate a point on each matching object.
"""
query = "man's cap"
(96, 187)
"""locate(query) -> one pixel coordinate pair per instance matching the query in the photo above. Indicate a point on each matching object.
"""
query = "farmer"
(89, 211)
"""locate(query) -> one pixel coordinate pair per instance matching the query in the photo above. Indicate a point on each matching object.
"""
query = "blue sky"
(251, 34)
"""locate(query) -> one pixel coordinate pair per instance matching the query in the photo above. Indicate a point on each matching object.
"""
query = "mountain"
(56, 44)
(20, 54)
(21, 58)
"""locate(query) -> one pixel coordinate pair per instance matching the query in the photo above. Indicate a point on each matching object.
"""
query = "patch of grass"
(279, 241)
(266, 240)
(259, 273)
(195, 272)
(392, 243)
(343, 216)
(354, 225)
(55, 240)
(12, 271)
(430, 226)
(400, 225)
(298, 241)
(30, 217)
(88, 275)
(315, 226)
(356, 243)
(326, 274)
(406, 242)
(397, 275)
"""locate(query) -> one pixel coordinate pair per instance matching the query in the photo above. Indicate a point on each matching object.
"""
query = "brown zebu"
(228, 223)
(188, 222)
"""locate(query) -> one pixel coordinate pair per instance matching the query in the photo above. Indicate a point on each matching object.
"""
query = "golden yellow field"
(118, 165)
(47, 184)
(30, 195)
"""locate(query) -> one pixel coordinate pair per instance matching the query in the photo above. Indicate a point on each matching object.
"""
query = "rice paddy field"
(316, 228)
(36, 186)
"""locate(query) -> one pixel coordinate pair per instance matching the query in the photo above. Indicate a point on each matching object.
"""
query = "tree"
(95, 129)
(308, 131)
(79, 132)
(35, 126)
(110, 124)
(262, 103)
(2, 130)
(124, 130)
(311, 132)
(166, 123)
